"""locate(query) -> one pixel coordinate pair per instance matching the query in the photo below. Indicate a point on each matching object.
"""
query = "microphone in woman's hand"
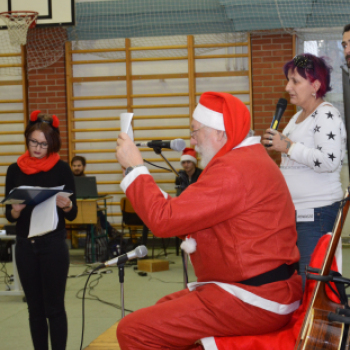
(280, 108)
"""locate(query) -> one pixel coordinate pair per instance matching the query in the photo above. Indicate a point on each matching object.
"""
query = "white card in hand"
(125, 124)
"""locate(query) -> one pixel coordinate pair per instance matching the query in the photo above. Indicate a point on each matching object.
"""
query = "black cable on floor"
(94, 297)
(83, 307)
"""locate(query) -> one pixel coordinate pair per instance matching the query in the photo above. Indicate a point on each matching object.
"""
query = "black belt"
(281, 273)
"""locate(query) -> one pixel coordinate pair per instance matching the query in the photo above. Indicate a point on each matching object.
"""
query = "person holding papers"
(43, 260)
(238, 218)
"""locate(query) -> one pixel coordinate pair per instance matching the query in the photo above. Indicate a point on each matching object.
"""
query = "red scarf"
(31, 165)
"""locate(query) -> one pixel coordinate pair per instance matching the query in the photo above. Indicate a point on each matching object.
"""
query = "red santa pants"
(178, 320)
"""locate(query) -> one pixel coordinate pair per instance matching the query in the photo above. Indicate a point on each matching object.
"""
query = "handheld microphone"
(139, 252)
(280, 108)
(176, 145)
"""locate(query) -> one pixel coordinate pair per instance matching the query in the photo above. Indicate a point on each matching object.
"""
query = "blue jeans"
(43, 264)
(311, 231)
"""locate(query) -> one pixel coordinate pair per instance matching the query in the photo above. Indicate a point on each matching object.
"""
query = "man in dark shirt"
(78, 165)
(190, 172)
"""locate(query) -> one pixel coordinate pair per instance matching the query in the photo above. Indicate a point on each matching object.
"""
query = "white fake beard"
(207, 153)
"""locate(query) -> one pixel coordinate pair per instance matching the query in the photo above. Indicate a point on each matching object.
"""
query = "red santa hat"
(222, 111)
(189, 154)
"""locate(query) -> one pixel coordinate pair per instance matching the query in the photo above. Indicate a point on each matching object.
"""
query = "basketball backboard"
(51, 12)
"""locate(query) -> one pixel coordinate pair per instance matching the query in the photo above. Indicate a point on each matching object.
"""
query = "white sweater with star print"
(312, 170)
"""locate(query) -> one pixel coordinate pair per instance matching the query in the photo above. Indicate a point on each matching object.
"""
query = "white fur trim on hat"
(188, 157)
(209, 118)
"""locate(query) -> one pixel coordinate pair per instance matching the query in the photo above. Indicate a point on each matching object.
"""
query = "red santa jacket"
(239, 212)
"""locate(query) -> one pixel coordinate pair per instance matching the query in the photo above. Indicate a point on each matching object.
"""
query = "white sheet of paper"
(44, 216)
(125, 124)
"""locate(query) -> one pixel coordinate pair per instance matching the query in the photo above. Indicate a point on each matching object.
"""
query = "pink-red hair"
(321, 71)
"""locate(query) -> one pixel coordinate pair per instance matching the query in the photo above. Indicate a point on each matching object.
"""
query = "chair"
(133, 222)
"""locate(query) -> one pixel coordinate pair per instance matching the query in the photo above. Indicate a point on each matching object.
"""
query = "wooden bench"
(106, 341)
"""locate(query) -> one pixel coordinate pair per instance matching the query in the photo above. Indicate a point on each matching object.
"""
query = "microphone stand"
(121, 281)
(184, 255)
(158, 150)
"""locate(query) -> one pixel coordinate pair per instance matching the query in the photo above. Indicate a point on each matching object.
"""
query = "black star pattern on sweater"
(329, 115)
(319, 148)
(331, 156)
(317, 163)
(313, 115)
(317, 129)
(331, 136)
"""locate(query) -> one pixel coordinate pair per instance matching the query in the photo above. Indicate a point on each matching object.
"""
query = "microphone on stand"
(176, 145)
(139, 252)
(280, 108)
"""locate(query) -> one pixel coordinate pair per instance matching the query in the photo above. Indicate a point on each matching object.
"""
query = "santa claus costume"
(240, 227)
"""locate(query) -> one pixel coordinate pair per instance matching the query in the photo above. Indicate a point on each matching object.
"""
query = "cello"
(325, 325)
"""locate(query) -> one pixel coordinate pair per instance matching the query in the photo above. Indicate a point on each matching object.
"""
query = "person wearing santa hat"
(190, 172)
(239, 223)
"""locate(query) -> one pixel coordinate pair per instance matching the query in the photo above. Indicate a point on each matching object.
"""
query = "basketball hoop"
(18, 23)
